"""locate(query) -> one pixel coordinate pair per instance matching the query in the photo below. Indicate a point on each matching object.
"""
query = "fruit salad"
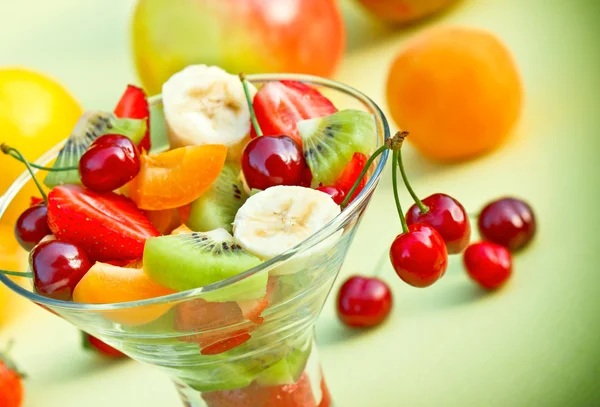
(156, 198)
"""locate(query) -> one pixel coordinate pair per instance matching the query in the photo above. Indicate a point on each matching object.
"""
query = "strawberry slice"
(351, 173)
(288, 395)
(134, 105)
(253, 309)
(280, 105)
(106, 225)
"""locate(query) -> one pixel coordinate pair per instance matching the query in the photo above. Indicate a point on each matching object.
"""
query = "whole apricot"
(457, 91)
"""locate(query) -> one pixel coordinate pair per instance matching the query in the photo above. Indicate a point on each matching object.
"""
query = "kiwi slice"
(216, 208)
(329, 142)
(186, 261)
(89, 127)
(286, 371)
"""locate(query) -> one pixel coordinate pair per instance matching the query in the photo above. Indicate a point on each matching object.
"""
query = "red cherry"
(274, 160)
(95, 344)
(350, 175)
(510, 222)
(364, 302)
(448, 217)
(419, 256)
(57, 268)
(489, 264)
(109, 163)
(334, 192)
(32, 226)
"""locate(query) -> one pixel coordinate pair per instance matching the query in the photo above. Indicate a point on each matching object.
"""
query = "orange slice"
(166, 220)
(105, 284)
(177, 177)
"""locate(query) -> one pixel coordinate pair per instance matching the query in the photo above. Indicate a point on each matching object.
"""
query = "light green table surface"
(535, 343)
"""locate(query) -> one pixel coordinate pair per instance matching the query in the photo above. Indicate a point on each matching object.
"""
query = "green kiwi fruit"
(286, 371)
(89, 127)
(191, 260)
(159, 139)
(329, 142)
(216, 208)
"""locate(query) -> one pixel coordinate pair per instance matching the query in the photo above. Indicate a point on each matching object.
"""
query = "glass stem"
(249, 101)
(396, 197)
(362, 174)
(9, 150)
(422, 207)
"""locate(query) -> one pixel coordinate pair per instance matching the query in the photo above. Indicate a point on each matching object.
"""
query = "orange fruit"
(166, 220)
(457, 91)
(106, 284)
(36, 113)
(177, 177)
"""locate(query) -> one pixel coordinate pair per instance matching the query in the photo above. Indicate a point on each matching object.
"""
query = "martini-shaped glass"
(216, 354)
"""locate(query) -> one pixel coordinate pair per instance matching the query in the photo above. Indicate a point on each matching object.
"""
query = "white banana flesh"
(279, 218)
(206, 105)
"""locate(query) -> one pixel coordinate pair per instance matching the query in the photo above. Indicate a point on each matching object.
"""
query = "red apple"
(405, 11)
(251, 36)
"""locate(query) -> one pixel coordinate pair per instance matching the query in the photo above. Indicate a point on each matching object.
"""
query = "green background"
(534, 343)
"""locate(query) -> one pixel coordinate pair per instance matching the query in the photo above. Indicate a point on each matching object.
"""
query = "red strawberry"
(253, 309)
(280, 105)
(134, 105)
(92, 343)
(11, 388)
(287, 395)
(34, 200)
(106, 225)
(350, 175)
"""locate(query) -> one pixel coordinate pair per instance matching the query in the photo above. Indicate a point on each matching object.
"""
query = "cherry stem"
(41, 167)
(422, 207)
(249, 101)
(396, 196)
(16, 273)
(6, 149)
(362, 174)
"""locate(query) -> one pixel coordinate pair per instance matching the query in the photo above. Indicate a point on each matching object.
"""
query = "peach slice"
(177, 177)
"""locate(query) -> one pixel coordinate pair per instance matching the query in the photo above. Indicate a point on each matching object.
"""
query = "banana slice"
(206, 105)
(279, 218)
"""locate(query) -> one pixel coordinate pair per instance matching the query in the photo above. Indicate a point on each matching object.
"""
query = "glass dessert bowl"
(222, 353)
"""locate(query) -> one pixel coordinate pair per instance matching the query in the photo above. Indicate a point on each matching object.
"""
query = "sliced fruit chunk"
(351, 173)
(280, 105)
(176, 177)
(187, 261)
(89, 127)
(106, 225)
(288, 395)
(216, 208)
(105, 284)
(166, 220)
(286, 371)
(330, 142)
(134, 105)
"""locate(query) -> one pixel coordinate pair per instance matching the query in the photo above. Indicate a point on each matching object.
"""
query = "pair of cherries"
(109, 162)
(433, 228)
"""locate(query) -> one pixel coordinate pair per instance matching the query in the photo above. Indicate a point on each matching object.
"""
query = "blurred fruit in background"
(35, 114)
(251, 36)
(405, 11)
(456, 90)
(12, 257)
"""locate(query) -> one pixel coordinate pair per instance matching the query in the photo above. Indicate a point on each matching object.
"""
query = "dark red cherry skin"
(110, 162)
(57, 268)
(509, 222)
(32, 226)
(334, 192)
(274, 160)
(488, 264)
(449, 219)
(364, 302)
(419, 256)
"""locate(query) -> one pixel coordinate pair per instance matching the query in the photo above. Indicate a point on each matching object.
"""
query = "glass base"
(309, 390)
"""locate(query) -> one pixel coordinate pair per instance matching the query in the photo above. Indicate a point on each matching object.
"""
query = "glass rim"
(354, 208)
